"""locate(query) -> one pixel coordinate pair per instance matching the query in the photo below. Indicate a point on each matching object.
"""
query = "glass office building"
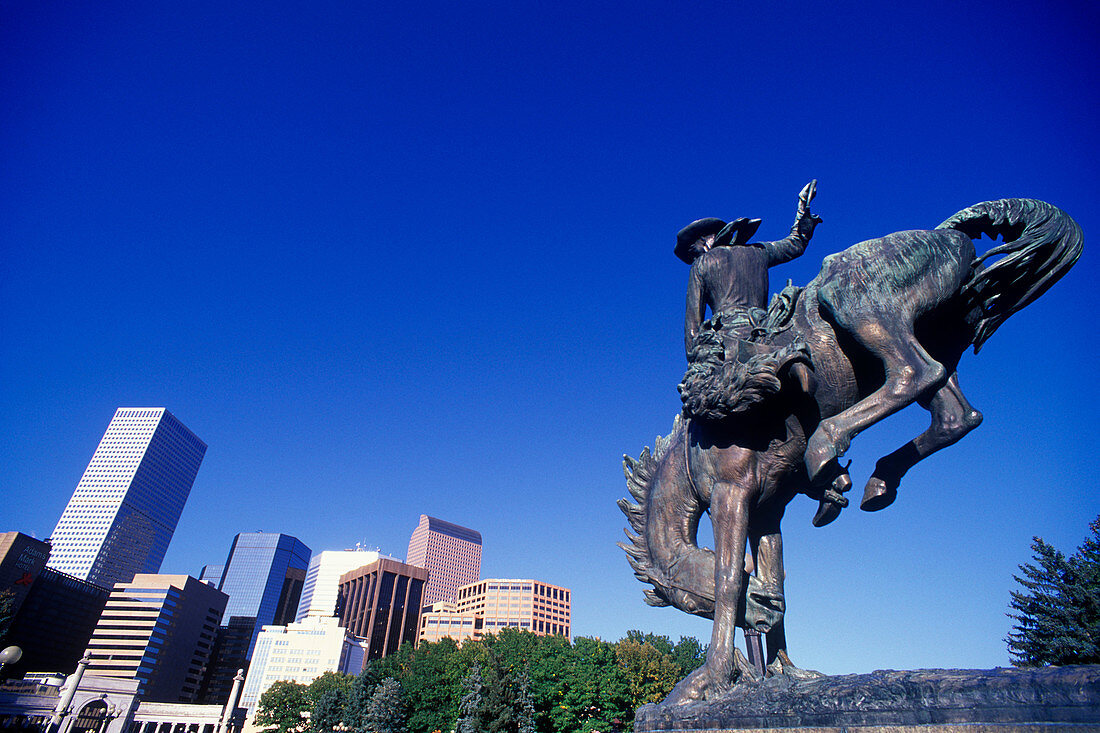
(124, 511)
(263, 578)
(260, 577)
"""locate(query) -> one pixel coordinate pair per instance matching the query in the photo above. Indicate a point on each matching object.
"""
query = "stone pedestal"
(999, 700)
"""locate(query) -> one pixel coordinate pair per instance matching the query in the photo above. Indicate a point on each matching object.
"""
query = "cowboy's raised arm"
(794, 245)
(695, 309)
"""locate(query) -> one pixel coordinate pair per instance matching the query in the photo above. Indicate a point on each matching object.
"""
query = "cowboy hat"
(737, 232)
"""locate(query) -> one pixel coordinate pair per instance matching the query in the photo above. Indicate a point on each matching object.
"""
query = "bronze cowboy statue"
(773, 397)
(734, 363)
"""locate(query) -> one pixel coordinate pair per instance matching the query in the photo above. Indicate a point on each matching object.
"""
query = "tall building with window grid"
(322, 585)
(451, 554)
(127, 505)
(124, 511)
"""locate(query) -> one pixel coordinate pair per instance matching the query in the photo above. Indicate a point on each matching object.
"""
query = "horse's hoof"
(693, 688)
(783, 666)
(747, 672)
(820, 452)
(832, 499)
(877, 495)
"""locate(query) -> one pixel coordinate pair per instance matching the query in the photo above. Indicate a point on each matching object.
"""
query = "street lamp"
(10, 655)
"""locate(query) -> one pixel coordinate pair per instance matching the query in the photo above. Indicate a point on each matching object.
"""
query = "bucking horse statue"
(883, 325)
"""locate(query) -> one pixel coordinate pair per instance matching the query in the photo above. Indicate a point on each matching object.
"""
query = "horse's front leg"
(911, 373)
(730, 515)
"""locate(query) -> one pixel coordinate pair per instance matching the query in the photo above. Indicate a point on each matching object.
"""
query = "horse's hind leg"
(952, 418)
(910, 373)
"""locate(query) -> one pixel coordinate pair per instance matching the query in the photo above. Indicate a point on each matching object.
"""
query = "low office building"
(56, 621)
(98, 704)
(490, 605)
(300, 652)
(52, 614)
(381, 603)
(159, 630)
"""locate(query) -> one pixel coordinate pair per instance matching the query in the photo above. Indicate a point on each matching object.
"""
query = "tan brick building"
(487, 606)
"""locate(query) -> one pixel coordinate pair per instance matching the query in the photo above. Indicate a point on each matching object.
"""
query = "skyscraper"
(125, 508)
(323, 579)
(263, 578)
(157, 629)
(450, 553)
(381, 603)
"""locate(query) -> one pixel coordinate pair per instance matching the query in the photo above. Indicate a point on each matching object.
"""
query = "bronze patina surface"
(773, 397)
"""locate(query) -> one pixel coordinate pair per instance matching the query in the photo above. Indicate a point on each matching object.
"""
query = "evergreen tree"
(358, 699)
(328, 694)
(472, 705)
(327, 712)
(1058, 613)
(525, 707)
(386, 711)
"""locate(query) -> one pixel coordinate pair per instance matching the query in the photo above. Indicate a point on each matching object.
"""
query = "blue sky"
(389, 260)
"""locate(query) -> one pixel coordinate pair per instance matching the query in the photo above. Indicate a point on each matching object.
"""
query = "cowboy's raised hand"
(807, 194)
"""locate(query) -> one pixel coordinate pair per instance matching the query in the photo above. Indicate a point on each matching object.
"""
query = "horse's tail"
(662, 549)
(1041, 243)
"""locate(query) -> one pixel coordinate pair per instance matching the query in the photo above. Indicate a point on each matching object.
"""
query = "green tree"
(649, 674)
(689, 654)
(1057, 613)
(431, 683)
(330, 681)
(525, 708)
(386, 710)
(661, 643)
(281, 706)
(595, 690)
(328, 695)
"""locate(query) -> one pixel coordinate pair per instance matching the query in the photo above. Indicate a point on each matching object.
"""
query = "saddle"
(738, 359)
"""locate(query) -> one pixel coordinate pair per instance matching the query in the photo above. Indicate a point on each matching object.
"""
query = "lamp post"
(226, 722)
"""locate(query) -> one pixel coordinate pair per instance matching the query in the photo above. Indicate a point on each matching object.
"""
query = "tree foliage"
(386, 710)
(7, 611)
(511, 682)
(357, 701)
(281, 706)
(1057, 613)
(327, 711)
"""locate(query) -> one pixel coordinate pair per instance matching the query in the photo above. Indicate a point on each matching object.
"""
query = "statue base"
(927, 700)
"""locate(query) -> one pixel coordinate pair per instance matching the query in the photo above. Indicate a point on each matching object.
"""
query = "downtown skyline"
(387, 266)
